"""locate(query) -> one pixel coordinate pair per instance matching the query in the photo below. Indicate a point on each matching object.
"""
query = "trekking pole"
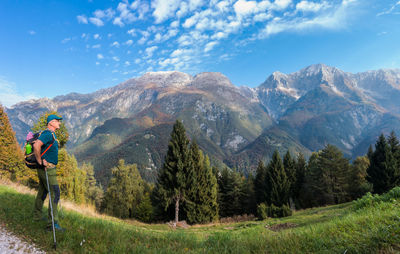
(51, 209)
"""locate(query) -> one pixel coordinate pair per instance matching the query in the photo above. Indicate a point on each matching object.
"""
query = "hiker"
(48, 140)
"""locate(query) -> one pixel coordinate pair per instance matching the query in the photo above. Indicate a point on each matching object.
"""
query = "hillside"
(333, 229)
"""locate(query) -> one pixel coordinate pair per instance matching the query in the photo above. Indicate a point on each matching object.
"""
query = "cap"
(53, 117)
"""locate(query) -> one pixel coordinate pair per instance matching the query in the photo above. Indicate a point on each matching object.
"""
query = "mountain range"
(236, 126)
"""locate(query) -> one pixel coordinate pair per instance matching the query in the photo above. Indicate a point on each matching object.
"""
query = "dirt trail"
(10, 243)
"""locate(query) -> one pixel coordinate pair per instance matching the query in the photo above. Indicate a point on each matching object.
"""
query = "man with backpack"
(46, 153)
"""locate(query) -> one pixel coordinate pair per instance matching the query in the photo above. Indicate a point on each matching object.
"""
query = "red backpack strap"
(54, 139)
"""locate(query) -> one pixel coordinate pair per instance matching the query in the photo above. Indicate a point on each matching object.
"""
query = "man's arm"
(37, 147)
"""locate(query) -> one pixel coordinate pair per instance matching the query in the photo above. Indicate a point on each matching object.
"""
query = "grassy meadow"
(332, 229)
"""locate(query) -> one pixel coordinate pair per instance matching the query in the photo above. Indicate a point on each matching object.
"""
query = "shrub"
(273, 211)
(262, 211)
(373, 200)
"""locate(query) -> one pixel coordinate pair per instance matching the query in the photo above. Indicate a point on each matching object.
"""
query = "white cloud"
(335, 19)
(107, 14)
(281, 4)
(262, 17)
(115, 44)
(96, 36)
(150, 51)
(65, 40)
(96, 46)
(82, 19)
(137, 61)
(127, 63)
(97, 63)
(118, 21)
(9, 94)
(391, 10)
(243, 7)
(209, 46)
(164, 9)
(96, 21)
(129, 42)
(131, 32)
(100, 56)
(31, 32)
(115, 58)
(306, 6)
(174, 24)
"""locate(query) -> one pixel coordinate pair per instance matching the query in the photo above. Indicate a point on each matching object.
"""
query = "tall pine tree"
(259, 183)
(382, 169)
(276, 182)
(301, 166)
(124, 191)
(176, 172)
(290, 169)
(201, 202)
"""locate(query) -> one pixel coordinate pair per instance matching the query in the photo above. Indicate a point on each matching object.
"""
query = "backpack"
(30, 158)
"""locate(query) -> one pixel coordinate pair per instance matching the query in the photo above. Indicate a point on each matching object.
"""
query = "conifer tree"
(300, 166)
(70, 177)
(358, 182)
(336, 171)
(327, 178)
(276, 182)
(310, 192)
(94, 193)
(177, 169)
(124, 191)
(249, 202)
(230, 193)
(290, 169)
(11, 156)
(259, 183)
(382, 169)
(394, 146)
(201, 201)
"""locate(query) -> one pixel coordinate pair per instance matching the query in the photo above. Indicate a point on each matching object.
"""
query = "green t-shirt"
(47, 138)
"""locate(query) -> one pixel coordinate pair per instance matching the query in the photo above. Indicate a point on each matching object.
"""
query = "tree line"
(189, 188)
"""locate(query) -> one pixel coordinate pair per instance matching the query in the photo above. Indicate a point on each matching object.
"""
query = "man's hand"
(45, 164)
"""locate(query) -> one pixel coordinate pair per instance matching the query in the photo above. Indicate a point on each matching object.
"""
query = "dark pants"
(42, 193)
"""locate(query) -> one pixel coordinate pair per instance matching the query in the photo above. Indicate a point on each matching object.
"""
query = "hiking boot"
(56, 227)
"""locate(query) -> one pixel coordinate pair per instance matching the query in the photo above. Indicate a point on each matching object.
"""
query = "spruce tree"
(382, 168)
(124, 191)
(94, 193)
(249, 202)
(312, 189)
(336, 171)
(301, 166)
(290, 169)
(394, 146)
(177, 169)
(358, 182)
(230, 193)
(277, 185)
(201, 201)
(259, 183)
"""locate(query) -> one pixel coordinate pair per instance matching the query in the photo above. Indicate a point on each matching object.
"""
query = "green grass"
(333, 229)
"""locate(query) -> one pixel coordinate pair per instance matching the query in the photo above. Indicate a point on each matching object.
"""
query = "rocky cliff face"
(301, 111)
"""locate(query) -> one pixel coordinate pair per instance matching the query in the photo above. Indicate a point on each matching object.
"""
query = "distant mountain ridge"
(236, 126)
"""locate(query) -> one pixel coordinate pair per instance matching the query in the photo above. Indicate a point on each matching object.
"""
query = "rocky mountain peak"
(166, 78)
(207, 79)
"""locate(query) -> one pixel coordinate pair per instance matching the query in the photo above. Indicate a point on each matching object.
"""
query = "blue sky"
(50, 48)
